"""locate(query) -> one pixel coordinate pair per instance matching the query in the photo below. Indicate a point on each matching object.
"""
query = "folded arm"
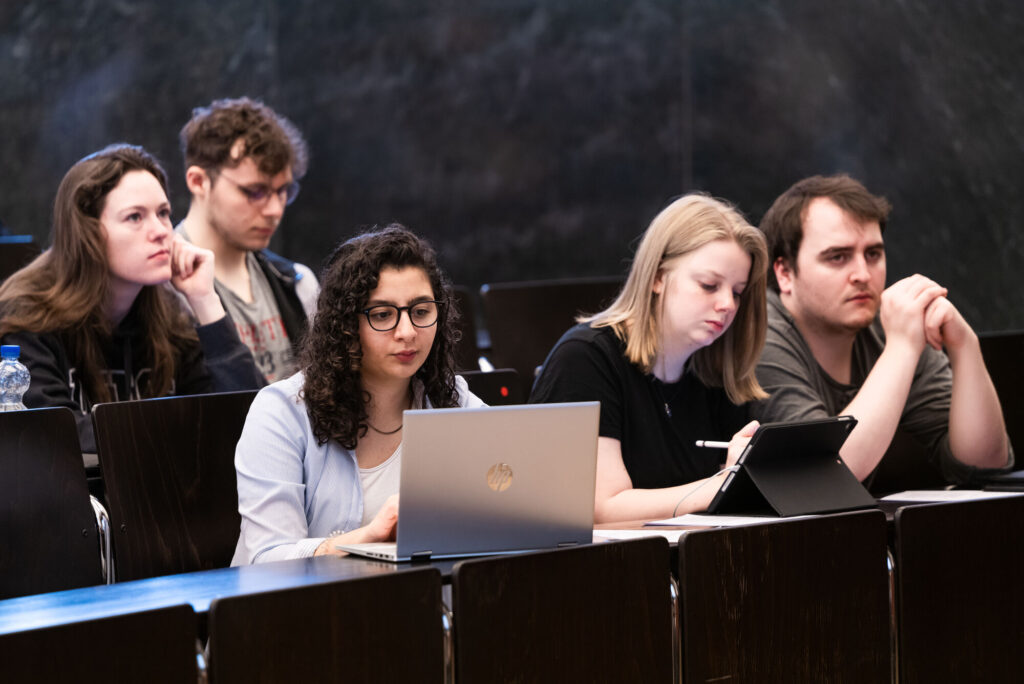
(977, 433)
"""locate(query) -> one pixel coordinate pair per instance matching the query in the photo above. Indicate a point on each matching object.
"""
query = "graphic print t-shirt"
(260, 326)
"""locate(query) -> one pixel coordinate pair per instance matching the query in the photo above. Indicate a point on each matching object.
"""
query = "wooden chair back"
(153, 646)
(169, 472)
(386, 628)
(593, 613)
(791, 601)
(46, 521)
(525, 319)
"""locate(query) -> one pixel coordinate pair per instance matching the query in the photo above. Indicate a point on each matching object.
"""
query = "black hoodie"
(219, 363)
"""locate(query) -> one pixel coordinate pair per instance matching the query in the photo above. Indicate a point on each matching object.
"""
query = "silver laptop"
(491, 480)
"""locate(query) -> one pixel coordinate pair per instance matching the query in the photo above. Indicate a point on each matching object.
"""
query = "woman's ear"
(659, 282)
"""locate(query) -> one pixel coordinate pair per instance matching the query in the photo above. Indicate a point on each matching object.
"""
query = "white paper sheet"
(607, 535)
(721, 520)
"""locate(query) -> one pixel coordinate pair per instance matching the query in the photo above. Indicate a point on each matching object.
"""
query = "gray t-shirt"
(260, 325)
(801, 390)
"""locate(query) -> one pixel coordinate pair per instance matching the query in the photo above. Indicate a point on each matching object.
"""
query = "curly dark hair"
(331, 355)
(271, 140)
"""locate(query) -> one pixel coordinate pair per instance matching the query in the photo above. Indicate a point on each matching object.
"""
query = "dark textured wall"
(536, 139)
(922, 101)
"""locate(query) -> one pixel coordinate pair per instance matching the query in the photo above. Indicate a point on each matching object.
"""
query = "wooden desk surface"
(889, 508)
(199, 588)
(195, 588)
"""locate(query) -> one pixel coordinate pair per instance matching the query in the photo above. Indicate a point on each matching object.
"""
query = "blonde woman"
(671, 361)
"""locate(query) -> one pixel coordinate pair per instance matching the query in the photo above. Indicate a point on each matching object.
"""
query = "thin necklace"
(382, 432)
(666, 401)
(400, 425)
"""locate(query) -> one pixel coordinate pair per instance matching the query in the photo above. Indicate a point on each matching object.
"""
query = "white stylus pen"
(711, 444)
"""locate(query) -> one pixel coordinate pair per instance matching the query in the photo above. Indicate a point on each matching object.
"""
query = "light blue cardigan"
(292, 492)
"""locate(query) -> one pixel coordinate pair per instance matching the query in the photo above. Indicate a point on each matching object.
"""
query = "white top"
(292, 492)
(379, 483)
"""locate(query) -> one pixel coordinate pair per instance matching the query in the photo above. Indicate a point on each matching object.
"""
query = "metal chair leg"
(103, 533)
(677, 632)
(202, 672)
(449, 643)
(894, 642)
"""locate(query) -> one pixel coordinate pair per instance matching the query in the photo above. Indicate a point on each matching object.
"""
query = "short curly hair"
(331, 354)
(271, 140)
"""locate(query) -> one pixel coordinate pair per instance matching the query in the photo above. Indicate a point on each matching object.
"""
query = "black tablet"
(793, 469)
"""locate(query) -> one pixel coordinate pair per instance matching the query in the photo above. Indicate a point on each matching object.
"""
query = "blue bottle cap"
(10, 351)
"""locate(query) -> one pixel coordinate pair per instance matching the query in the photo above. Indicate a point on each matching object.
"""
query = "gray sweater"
(801, 390)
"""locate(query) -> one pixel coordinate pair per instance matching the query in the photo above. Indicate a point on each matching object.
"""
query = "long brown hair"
(64, 289)
(685, 225)
(331, 354)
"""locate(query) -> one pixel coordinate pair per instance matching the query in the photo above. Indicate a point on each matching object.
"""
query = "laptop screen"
(498, 478)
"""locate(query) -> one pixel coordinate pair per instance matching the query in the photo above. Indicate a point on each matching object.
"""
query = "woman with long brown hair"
(94, 315)
(319, 458)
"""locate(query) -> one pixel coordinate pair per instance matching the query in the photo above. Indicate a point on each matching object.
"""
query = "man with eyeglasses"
(243, 162)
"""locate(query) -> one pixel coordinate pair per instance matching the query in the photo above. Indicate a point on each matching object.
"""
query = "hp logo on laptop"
(499, 477)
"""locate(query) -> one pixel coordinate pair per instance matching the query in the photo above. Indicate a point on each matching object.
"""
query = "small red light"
(504, 391)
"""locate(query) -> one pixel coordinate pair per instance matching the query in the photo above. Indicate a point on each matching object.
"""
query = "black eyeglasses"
(385, 317)
(259, 194)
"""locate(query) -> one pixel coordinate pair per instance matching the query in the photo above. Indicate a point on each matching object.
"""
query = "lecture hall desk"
(195, 588)
(960, 599)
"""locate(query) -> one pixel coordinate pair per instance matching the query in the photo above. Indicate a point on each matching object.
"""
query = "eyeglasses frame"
(290, 190)
(398, 319)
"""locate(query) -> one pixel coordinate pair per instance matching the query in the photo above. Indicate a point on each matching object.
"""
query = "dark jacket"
(281, 275)
(218, 363)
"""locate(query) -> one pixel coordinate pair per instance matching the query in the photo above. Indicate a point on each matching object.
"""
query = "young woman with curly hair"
(318, 460)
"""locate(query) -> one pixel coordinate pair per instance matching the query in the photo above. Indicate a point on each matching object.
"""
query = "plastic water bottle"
(14, 378)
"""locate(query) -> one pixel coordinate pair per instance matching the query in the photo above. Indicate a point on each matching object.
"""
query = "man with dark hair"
(243, 163)
(840, 342)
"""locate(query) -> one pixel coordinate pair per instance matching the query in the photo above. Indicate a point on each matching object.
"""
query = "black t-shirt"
(658, 445)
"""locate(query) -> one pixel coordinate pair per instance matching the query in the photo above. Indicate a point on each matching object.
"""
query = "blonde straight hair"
(685, 225)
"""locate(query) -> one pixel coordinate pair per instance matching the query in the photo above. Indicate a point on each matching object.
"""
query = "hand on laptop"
(380, 529)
